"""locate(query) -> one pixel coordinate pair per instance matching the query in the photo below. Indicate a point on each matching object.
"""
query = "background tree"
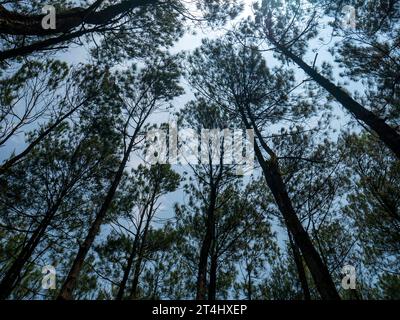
(63, 173)
(157, 83)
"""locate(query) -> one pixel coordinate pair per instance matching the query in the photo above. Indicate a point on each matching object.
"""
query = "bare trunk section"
(300, 269)
(212, 287)
(12, 277)
(318, 269)
(138, 266)
(129, 263)
(66, 26)
(249, 286)
(205, 247)
(41, 45)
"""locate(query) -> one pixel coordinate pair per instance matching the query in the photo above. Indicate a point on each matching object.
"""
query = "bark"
(66, 292)
(249, 287)
(206, 246)
(41, 45)
(136, 274)
(386, 133)
(212, 287)
(300, 269)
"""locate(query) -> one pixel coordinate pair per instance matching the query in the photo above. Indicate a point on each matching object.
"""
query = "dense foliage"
(79, 102)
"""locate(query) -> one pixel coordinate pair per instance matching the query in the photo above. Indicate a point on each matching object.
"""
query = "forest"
(101, 199)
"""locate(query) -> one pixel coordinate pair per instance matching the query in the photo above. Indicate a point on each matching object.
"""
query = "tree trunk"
(386, 133)
(205, 247)
(300, 269)
(129, 263)
(273, 177)
(212, 287)
(138, 264)
(249, 287)
(66, 292)
(12, 276)
(318, 269)
(19, 24)
(31, 25)
(40, 45)
(136, 274)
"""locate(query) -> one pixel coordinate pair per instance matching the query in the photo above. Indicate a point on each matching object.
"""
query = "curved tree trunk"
(386, 133)
(273, 177)
(68, 25)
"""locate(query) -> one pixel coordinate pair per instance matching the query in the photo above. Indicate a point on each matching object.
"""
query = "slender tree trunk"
(212, 287)
(12, 276)
(135, 245)
(138, 264)
(129, 263)
(300, 269)
(136, 274)
(386, 133)
(318, 269)
(205, 247)
(66, 292)
(249, 287)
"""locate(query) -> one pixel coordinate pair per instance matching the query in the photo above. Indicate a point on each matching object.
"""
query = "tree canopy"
(260, 164)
